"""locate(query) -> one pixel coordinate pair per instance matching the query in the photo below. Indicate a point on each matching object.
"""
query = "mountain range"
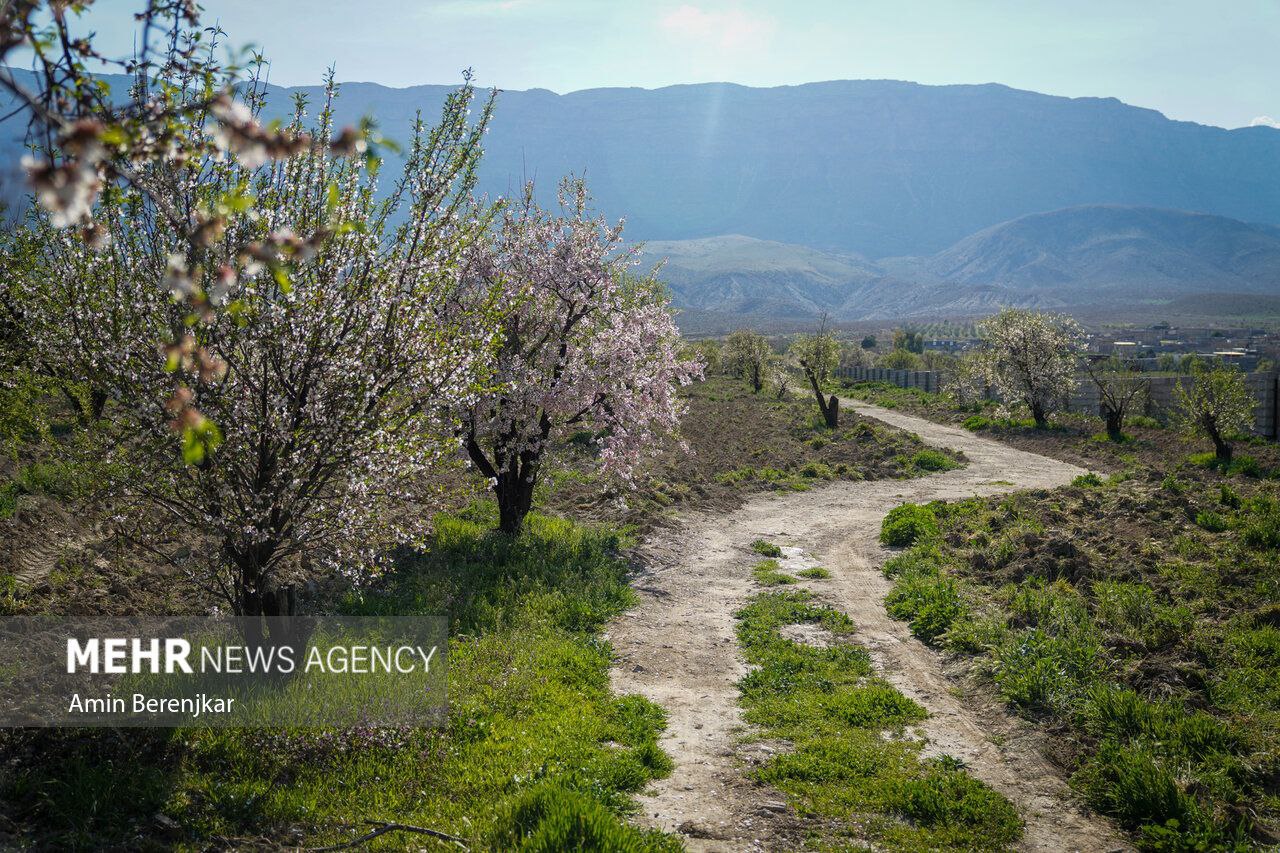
(873, 197)
(1080, 259)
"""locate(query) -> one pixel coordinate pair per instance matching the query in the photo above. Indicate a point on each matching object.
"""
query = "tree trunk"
(1221, 448)
(830, 407)
(1115, 423)
(832, 412)
(269, 613)
(1039, 415)
(757, 380)
(515, 499)
(97, 402)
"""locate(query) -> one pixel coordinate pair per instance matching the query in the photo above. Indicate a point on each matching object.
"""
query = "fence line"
(1263, 387)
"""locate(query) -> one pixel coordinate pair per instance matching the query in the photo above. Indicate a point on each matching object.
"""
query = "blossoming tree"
(328, 347)
(583, 346)
(1030, 357)
(1216, 405)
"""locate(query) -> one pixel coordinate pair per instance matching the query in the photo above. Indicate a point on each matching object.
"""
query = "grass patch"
(815, 573)
(765, 548)
(1139, 622)
(907, 523)
(537, 754)
(767, 573)
(831, 706)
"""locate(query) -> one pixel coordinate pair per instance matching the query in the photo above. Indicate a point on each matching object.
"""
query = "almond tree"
(87, 138)
(1120, 388)
(584, 346)
(748, 354)
(1215, 404)
(1030, 358)
(818, 355)
(328, 349)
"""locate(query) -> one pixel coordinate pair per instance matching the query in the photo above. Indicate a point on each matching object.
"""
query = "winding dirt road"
(678, 648)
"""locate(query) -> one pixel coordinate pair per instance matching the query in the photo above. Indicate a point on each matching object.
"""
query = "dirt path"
(678, 648)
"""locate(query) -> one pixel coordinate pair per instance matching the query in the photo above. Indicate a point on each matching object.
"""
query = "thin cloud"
(1265, 121)
(728, 29)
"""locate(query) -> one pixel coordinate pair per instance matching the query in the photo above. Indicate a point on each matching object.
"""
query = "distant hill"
(761, 279)
(1078, 258)
(1110, 251)
(876, 167)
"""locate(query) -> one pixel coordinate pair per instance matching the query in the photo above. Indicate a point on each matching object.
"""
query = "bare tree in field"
(1215, 405)
(748, 354)
(1120, 388)
(818, 355)
(1030, 358)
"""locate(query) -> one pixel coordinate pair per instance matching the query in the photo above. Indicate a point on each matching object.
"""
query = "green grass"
(829, 703)
(766, 573)
(65, 480)
(1160, 669)
(932, 461)
(906, 523)
(765, 548)
(815, 573)
(537, 754)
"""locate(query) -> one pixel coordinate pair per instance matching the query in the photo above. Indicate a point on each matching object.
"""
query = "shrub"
(815, 573)
(1086, 481)
(1227, 497)
(906, 524)
(765, 548)
(931, 602)
(1211, 521)
(932, 460)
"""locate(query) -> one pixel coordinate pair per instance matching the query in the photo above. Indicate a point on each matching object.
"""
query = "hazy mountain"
(1110, 251)
(1075, 258)
(758, 278)
(880, 168)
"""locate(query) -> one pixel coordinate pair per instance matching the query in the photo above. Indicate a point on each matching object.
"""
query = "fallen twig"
(383, 827)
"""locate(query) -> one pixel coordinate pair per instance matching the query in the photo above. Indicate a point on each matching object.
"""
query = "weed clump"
(765, 548)
(908, 523)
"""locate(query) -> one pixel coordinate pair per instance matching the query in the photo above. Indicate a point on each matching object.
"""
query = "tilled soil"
(678, 648)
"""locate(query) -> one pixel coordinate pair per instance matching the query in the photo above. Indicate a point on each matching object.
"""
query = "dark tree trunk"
(514, 491)
(97, 402)
(1115, 423)
(757, 380)
(829, 406)
(269, 612)
(1039, 415)
(1222, 449)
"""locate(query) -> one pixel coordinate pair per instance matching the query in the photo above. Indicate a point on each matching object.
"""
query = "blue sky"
(1212, 61)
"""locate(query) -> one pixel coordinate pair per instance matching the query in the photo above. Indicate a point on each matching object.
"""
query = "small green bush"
(765, 548)
(1211, 521)
(908, 523)
(816, 573)
(1087, 481)
(929, 602)
(932, 460)
(1228, 497)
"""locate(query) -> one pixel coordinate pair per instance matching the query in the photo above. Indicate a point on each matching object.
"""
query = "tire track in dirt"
(677, 647)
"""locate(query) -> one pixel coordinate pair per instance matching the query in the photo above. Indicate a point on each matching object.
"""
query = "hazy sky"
(1211, 61)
